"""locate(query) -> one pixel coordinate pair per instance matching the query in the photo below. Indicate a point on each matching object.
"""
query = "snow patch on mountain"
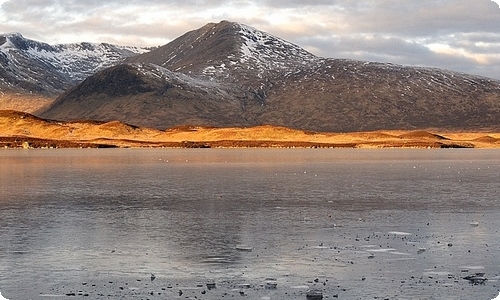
(182, 81)
(60, 65)
(77, 61)
(268, 51)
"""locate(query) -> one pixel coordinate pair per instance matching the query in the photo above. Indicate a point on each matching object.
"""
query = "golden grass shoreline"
(23, 130)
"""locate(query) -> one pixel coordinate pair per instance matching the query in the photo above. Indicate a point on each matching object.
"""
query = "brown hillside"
(19, 129)
(10, 100)
(421, 134)
(487, 139)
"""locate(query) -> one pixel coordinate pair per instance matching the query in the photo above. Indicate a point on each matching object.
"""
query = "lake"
(254, 223)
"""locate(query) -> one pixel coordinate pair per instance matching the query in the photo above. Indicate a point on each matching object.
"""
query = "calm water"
(355, 224)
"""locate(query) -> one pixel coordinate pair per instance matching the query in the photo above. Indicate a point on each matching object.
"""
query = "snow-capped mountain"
(232, 74)
(229, 51)
(32, 66)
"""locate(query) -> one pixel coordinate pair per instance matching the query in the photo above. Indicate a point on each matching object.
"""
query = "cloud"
(455, 34)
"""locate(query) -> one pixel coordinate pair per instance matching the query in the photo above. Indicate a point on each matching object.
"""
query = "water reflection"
(71, 215)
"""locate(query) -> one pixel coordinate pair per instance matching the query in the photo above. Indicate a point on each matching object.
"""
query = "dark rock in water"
(477, 278)
(271, 283)
(314, 295)
(211, 286)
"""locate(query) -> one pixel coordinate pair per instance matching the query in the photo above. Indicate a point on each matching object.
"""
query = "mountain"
(230, 74)
(38, 70)
(229, 52)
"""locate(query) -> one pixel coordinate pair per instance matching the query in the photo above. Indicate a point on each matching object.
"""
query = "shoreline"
(22, 130)
(25, 142)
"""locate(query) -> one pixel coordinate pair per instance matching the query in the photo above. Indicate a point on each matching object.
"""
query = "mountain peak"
(16, 40)
(219, 49)
(12, 34)
(264, 47)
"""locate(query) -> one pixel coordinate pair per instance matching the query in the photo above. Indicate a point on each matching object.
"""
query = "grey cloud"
(476, 43)
(426, 17)
(390, 49)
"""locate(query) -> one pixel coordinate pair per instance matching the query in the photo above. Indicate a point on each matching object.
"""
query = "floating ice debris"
(242, 247)
(399, 233)
(300, 287)
(320, 246)
(153, 277)
(477, 278)
(398, 253)
(2, 298)
(467, 268)
(474, 224)
(314, 295)
(437, 273)
(421, 250)
(381, 250)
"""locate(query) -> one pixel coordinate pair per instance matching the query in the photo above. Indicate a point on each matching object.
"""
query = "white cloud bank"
(460, 35)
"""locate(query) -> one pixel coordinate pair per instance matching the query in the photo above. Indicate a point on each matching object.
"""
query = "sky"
(459, 35)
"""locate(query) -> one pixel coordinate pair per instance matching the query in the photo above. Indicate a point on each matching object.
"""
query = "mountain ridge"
(30, 67)
(231, 74)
